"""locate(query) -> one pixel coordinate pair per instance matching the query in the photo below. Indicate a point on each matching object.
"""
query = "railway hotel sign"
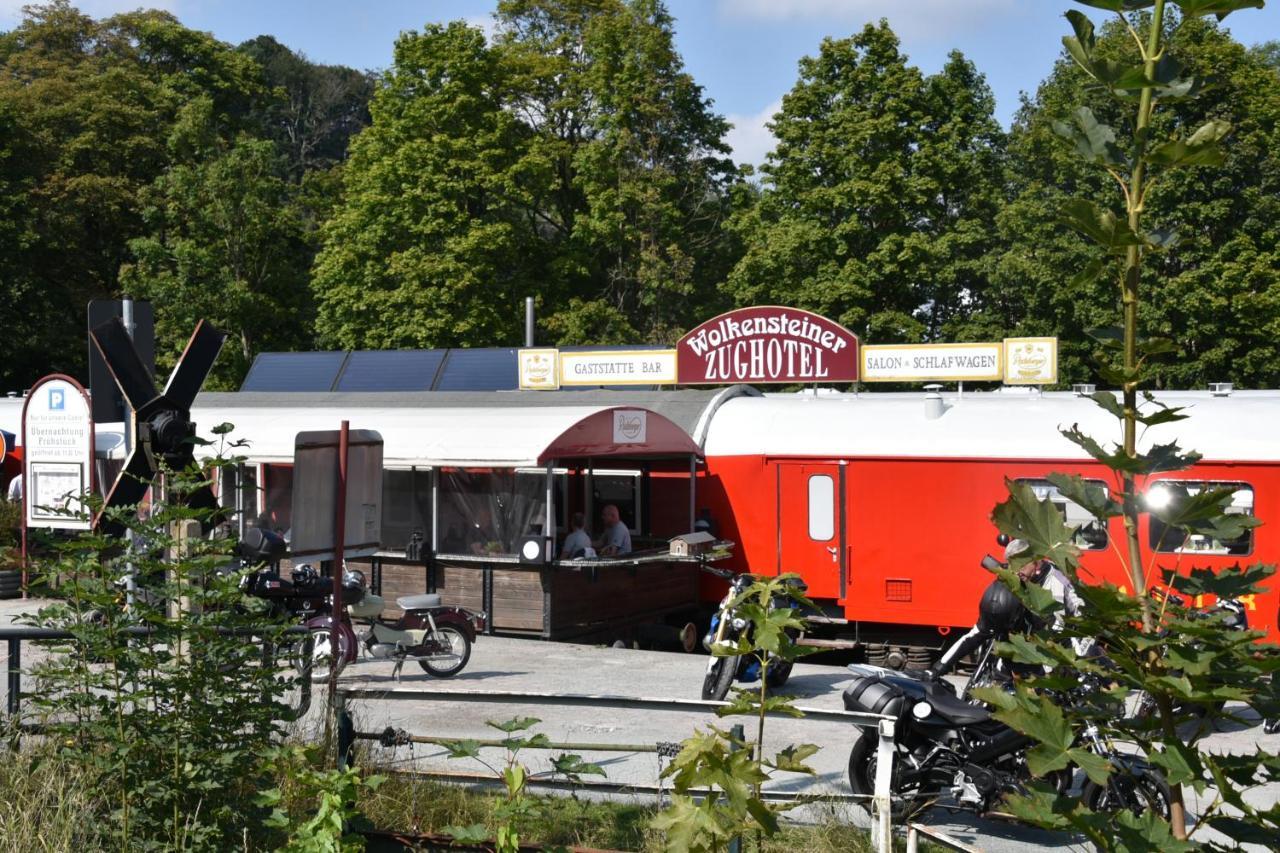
(767, 344)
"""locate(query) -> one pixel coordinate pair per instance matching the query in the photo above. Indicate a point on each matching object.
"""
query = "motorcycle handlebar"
(990, 562)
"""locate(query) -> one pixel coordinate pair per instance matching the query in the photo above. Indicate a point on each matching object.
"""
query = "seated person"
(615, 539)
(577, 542)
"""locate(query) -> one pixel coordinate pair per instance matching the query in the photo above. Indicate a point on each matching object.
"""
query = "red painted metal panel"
(928, 521)
(808, 520)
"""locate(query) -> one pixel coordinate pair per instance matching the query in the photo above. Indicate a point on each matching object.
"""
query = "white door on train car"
(811, 529)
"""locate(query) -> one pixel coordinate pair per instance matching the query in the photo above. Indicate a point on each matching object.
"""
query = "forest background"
(569, 156)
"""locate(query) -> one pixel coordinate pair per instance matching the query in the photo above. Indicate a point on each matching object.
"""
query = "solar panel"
(491, 369)
(293, 371)
(391, 370)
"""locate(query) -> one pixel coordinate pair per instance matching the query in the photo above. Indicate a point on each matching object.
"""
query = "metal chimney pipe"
(528, 321)
(126, 310)
(933, 402)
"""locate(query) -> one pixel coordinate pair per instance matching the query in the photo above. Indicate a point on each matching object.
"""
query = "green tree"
(1218, 295)
(637, 189)
(90, 105)
(573, 160)
(432, 245)
(876, 202)
(226, 242)
(314, 110)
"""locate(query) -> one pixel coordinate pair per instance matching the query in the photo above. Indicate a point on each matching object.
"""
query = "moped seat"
(418, 602)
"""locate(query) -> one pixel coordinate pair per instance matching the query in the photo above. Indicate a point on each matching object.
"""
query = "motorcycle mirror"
(1002, 540)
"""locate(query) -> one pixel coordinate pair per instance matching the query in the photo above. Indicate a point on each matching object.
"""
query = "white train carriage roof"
(1008, 424)
(465, 429)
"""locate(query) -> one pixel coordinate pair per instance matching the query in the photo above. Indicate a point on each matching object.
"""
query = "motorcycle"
(437, 636)
(727, 629)
(947, 749)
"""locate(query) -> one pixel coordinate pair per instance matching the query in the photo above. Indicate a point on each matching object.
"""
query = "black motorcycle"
(955, 753)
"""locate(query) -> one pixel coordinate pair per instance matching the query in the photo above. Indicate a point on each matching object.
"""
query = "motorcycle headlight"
(920, 710)
(739, 623)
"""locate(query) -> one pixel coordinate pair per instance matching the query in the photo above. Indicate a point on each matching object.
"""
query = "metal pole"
(693, 493)
(242, 522)
(339, 546)
(15, 675)
(549, 529)
(528, 321)
(881, 800)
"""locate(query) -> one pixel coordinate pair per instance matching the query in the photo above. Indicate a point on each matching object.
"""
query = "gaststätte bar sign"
(767, 344)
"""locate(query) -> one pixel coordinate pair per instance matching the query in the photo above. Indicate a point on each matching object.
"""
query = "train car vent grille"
(897, 589)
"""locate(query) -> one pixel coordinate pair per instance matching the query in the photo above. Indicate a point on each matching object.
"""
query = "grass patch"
(426, 806)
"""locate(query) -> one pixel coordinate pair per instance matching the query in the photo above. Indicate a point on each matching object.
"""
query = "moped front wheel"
(451, 662)
(719, 678)
(321, 653)
(1134, 791)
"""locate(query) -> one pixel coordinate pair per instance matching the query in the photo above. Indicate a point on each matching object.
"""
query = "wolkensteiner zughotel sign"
(766, 344)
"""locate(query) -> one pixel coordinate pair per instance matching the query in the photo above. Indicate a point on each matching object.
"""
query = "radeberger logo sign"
(767, 344)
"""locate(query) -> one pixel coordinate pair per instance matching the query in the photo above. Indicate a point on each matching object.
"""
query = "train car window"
(1165, 496)
(822, 511)
(1091, 535)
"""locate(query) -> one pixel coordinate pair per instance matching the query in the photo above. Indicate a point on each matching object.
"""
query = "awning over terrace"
(461, 437)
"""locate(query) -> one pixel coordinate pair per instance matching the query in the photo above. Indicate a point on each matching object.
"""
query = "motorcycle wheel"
(862, 779)
(320, 653)
(1132, 792)
(460, 653)
(719, 678)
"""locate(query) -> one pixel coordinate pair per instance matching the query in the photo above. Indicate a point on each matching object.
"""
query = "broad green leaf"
(1180, 763)
(792, 758)
(747, 702)
(1089, 274)
(476, 833)
(1094, 766)
(573, 766)
(1095, 142)
(463, 748)
(514, 777)
(1220, 8)
(1160, 458)
(763, 815)
(1086, 493)
(1107, 400)
(1200, 149)
(1118, 5)
(690, 826)
(515, 724)
(1081, 45)
(1102, 226)
(1039, 522)
(537, 741)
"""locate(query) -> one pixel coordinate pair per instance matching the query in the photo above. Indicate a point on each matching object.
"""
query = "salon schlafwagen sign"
(767, 344)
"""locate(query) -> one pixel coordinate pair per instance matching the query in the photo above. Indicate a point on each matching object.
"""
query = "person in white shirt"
(15, 489)
(577, 542)
(616, 538)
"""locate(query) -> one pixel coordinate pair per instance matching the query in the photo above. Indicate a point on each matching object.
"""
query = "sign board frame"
(315, 495)
(70, 462)
(986, 374)
(1047, 349)
(768, 345)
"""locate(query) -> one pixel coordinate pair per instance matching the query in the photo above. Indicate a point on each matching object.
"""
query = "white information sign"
(939, 362)
(57, 467)
(618, 367)
(1030, 361)
(630, 426)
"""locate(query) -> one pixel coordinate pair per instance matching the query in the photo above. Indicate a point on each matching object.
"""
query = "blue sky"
(743, 52)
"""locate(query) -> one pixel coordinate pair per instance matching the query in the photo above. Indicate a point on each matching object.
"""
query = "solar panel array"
(484, 369)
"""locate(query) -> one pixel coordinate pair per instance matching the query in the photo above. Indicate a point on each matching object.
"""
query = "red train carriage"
(882, 501)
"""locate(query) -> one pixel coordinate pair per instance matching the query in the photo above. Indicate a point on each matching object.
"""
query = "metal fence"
(349, 735)
(14, 637)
